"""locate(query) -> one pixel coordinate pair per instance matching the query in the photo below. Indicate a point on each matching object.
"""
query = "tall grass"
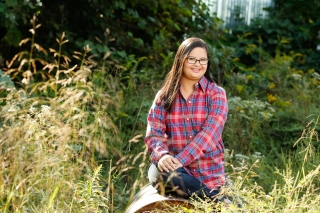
(52, 133)
(46, 150)
(61, 150)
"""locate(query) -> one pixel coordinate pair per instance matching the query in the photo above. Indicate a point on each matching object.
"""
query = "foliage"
(51, 132)
(64, 112)
(43, 157)
(297, 32)
(89, 194)
(139, 28)
(282, 90)
(293, 186)
(66, 120)
(248, 123)
(5, 84)
(222, 62)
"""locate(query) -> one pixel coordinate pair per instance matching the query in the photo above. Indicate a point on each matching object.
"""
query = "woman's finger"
(165, 168)
(170, 166)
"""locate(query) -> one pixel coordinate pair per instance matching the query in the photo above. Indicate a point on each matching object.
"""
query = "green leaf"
(176, 26)
(3, 7)
(12, 3)
(120, 4)
(100, 48)
(138, 41)
(142, 23)
(188, 12)
(5, 80)
(13, 36)
(152, 19)
(123, 54)
(169, 21)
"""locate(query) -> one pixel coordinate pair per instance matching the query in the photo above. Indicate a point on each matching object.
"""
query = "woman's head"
(171, 84)
(184, 50)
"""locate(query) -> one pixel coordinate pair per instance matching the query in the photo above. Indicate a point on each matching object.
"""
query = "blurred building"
(235, 12)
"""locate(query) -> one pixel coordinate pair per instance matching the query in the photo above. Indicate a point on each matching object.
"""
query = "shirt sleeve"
(156, 139)
(211, 134)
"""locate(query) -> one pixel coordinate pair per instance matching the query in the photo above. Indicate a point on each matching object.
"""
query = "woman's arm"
(155, 136)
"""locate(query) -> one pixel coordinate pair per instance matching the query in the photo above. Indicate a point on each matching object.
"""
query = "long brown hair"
(171, 83)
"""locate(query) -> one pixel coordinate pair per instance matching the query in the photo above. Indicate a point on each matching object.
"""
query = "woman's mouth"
(196, 70)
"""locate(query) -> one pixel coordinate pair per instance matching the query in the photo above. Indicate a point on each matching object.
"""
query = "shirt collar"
(203, 83)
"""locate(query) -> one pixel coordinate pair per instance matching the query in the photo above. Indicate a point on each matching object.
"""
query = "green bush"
(247, 128)
(139, 28)
(292, 27)
(280, 87)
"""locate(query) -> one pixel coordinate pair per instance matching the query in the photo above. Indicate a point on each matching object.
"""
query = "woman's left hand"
(177, 164)
(168, 163)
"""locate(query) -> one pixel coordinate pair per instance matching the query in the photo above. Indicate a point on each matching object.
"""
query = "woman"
(185, 124)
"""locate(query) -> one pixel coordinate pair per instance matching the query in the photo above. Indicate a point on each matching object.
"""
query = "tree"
(292, 27)
(141, 28)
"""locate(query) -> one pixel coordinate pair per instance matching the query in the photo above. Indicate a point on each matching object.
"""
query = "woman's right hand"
(168, 163)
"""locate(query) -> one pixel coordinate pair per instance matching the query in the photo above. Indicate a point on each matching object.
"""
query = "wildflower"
(296, 76)
(271, 98)
(240, 157)
(256, 156)
(45, 109)
(32, 109)
(25, 81)
(268, 197)
(272, 85)
(27, 75)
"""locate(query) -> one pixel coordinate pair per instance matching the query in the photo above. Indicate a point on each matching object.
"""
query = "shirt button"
(189, 102)
(187, 119)
(190, 136)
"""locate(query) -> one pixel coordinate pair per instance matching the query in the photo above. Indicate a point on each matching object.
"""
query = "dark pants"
(179, 182)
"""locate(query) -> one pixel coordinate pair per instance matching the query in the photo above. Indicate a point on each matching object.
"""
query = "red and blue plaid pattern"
(192, 132)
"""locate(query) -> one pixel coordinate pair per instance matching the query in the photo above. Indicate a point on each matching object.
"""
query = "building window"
(238, 12)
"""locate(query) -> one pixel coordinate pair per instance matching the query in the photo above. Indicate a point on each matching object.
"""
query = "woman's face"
(195, 71)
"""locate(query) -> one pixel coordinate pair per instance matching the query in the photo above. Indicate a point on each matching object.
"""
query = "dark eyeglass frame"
(205, 63)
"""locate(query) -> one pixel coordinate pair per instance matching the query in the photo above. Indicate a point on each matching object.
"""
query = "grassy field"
(72, 137)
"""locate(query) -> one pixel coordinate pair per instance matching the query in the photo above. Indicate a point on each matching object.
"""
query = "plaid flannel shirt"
(192, 132)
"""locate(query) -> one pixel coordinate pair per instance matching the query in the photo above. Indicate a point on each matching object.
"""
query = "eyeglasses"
(193, 60)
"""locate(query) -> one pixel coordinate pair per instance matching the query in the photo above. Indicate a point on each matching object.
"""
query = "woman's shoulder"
(214, 88)
(158, 98)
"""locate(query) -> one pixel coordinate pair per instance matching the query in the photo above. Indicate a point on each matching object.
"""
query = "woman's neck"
(187, 87)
